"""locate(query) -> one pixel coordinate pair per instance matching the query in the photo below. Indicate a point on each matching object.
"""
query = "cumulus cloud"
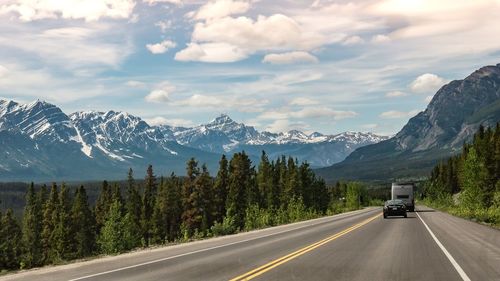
(211, 52)
(395, 94)
(284, 125)
(221, 8)
(161, 93)
(162, 47)
(394, 114)
(89, 10)
(427, 83)
(164, 25)
(231, 39)
(290, 57)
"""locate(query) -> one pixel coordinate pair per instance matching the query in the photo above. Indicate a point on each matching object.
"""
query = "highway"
(359, 245)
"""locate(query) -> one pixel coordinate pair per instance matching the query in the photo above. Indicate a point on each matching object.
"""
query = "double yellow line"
(268, 266)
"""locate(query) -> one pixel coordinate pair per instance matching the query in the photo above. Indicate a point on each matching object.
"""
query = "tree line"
(469, 182)
(58, 225)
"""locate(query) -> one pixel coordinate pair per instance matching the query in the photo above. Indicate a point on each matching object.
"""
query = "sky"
(321, 65)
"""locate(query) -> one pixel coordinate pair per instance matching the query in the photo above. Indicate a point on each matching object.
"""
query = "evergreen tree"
(32, 230)
(10, 243)
(239, 181)
(50, 217)
(265, 182)
(62, 238)
(111, 237)
(132, 219)
(221, 189)
(102, 205)
(148, 204)
(191, 216)
(83, 224)
(204, 187)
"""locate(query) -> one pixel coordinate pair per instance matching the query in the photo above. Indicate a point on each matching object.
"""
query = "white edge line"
(201, 250)
(455, 264)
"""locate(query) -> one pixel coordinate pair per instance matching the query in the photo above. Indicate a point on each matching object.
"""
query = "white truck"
(404, 191)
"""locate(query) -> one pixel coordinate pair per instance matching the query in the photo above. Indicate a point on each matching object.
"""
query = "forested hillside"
(468, 184)
(57, 226)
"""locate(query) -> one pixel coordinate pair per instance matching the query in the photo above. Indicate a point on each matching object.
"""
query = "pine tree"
(221, 190)
(158, 224)
(191, 217)
(148, 204)
(10, 244)
(50, 217)
(240, 174)
(265, 182)
(204, 187)
(111, 237)
(102, 205)
(174, 207)
(62, 238)
(32, 230)
(83, 224)
(132, 219)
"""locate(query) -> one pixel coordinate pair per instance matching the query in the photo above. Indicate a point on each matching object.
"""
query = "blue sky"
(327, 66)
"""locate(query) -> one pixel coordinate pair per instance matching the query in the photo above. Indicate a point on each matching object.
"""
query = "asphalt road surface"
(360, 245)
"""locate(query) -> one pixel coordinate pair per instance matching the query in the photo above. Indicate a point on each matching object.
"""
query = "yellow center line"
(268, 266)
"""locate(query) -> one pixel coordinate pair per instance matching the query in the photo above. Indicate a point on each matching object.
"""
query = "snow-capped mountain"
(40, 141)
(224, 135)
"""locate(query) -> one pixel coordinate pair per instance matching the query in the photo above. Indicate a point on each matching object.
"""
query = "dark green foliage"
(221, 189)
(111, 237)
(132, 220)
(58, 228)
(473, 175)
(62, 238)
(32, 229)
(48, 224)
(10, 243)
(148, 202)
(102, 205)
(83, 224)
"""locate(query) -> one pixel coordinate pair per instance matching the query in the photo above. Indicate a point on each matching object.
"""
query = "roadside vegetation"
(59, 225)
(468, 184)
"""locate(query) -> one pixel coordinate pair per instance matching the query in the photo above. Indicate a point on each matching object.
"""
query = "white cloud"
(89, 10)
(380, 38)
(306, 112)
(279, 126)
(428, 99)
(161, 93)
(3, 71)
(176, 122)
(353, 40)
(301, 101)
(154, 2)
(135, 84)
(243, 36)
(162, 47)
(211, 52)
(242, 105)
(394, 114)
(290, 57)
(70, 47)
(221, 8)
(427, 83)
(395, 94)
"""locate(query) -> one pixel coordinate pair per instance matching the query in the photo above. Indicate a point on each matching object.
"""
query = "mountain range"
(451, 118)
(40, 142)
